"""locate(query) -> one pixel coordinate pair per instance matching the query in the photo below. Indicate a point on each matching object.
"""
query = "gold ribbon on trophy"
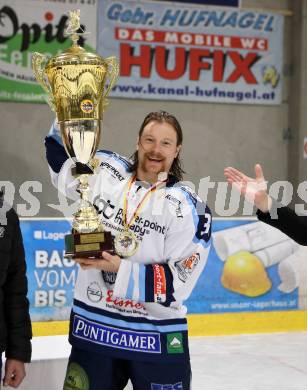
(75, 82)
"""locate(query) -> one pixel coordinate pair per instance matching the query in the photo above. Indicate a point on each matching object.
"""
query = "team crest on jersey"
(185, 267)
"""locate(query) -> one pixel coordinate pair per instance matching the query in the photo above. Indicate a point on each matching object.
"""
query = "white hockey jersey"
(137, 313)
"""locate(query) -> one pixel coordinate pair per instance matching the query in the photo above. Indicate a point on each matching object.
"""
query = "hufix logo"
(43, 235)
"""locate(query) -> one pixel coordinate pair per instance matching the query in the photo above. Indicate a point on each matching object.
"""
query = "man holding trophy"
(142, 255)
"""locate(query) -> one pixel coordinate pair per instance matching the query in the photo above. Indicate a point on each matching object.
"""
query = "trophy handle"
(38, 65)
(112, 73)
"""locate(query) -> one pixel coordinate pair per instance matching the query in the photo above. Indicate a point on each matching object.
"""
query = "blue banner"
(251, 267)
(51, 276)
(253, 291)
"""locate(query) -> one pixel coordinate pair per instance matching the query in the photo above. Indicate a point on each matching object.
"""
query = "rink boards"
(213, 307)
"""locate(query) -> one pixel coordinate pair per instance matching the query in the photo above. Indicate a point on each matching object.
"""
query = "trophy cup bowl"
(75, 82)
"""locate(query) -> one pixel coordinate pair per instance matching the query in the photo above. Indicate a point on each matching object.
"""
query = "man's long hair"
(162, 116)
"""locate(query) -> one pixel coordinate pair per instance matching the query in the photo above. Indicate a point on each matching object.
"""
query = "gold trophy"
(75, 82)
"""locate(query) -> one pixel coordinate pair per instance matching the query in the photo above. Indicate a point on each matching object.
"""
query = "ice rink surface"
(275, 361)
(250, 362)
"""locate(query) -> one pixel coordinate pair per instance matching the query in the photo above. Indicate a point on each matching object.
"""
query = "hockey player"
(128, 320)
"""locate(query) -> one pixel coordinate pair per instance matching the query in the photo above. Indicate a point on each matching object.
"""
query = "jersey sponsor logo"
(141, 225)
(106, 208)
(114, 172)
(178, 212)
(177, 203)
(128, 306)
(192, 195)
(94, 292)
(185, 267)
(109, 277)
(159, 283)
(124, 304)
(174, 343)
(109, 336)
(175, 386)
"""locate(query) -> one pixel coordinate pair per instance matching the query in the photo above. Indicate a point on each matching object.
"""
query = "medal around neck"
(75, 82)
(126, 244)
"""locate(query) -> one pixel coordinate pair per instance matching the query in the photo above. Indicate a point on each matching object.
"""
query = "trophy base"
(88, 244)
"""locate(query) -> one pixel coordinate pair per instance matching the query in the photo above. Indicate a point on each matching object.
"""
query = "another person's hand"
(107, 262)
(14, 373)
(253, 189)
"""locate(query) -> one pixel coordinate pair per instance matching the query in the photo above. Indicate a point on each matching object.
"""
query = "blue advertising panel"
(251, 267)
(262, 286)
(51, 277)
